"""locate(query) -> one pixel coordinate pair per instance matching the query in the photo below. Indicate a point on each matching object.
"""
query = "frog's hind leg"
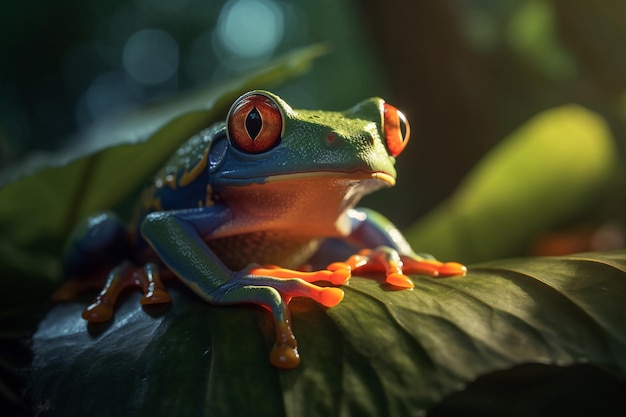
(99, 239)
(96, 244)
(124, 276)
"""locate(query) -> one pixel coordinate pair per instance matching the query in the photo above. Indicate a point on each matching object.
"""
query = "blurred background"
(465, 72)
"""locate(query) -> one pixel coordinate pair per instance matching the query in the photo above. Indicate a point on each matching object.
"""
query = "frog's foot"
(124, 276)
(274, 294)
(291, 283)
(432, 267)
(395, 266)
(336, 276)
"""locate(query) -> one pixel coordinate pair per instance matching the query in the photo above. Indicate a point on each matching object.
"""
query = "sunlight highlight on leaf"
(550, 169)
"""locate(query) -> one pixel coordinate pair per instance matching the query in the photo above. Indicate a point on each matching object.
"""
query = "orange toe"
(399, 280)
(340, 276)
(330, 297)
(98, 313)
(451, 269)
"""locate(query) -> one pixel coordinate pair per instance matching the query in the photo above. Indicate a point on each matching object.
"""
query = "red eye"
(396, 129)
(255, 124)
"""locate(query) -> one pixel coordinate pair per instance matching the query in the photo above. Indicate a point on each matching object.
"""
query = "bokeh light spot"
(150, 56)
(250, 28)
(107, 95)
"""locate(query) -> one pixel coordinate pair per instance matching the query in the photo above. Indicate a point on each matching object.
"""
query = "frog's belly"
(264, 248)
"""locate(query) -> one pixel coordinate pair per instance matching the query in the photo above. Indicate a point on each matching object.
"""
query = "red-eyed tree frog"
(270, 188)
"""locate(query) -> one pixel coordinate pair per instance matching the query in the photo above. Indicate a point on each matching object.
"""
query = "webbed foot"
(336, 276)
(326, 296)
(396, 266)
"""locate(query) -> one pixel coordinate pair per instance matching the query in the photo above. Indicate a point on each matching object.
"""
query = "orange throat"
(310, 204)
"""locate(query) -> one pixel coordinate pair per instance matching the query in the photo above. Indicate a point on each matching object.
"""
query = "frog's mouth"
(387, 179)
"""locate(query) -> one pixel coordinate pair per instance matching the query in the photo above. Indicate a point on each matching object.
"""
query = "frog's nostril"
(331, 138)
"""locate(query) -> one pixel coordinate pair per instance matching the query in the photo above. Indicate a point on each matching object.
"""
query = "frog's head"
(333, 157)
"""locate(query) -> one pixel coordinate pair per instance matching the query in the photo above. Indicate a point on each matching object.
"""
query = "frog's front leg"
(391, 253)
(178, 238)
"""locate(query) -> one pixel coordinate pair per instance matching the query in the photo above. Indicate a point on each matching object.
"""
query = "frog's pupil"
(402, 129)
(254, 123)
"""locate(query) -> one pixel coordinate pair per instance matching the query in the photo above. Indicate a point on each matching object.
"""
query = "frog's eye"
(255, 124)
(396, 129)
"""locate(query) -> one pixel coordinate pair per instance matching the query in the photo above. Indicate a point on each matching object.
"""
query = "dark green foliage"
(379, 352)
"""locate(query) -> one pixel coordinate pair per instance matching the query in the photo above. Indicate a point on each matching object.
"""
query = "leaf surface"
(378, 352)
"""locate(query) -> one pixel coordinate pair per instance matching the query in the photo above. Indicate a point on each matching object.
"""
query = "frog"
(245, 208)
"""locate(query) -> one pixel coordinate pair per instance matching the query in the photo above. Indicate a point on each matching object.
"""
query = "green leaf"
(544, 173)
(43, 199)
(378, 352)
